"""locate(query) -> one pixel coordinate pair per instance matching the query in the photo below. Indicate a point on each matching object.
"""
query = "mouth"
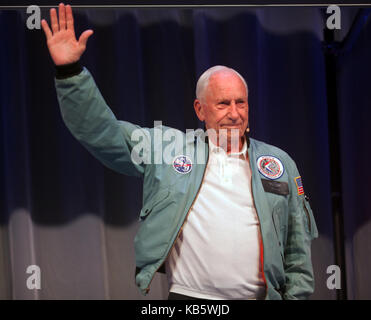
(230, 127)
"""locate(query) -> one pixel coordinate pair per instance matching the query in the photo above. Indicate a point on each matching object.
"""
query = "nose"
(233, 112)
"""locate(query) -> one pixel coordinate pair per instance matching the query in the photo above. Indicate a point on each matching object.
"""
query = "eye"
(241, 103)
(223, 104)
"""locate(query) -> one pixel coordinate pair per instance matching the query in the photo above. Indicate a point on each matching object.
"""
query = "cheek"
(221, 115)
(244, 114)
(215, 116)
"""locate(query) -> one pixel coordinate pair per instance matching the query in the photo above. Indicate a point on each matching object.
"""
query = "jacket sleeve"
(302, 230)
(92, 123)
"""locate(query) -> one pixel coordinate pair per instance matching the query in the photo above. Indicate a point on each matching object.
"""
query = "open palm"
(61, 39)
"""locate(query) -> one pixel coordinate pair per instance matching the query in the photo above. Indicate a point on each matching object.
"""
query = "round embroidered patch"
(270, 167)
(182, 164)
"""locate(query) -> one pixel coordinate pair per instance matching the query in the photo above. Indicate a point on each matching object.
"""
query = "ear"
(199, 110)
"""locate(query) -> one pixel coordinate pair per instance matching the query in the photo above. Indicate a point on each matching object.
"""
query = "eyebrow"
(224, 101)
(229, 101)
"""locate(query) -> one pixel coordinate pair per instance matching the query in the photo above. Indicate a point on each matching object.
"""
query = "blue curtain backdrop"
(353, 72)
(75, 219)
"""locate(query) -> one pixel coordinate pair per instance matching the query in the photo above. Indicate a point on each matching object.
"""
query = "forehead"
(225, 84)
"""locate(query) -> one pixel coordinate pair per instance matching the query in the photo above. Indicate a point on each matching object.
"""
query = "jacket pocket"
(310, 225)
(278, 230)
(155, 203)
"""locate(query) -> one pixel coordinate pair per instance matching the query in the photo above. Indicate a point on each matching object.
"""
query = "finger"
(47, 31)
(54, 20)
(69, 18)
(84, 37)
(62, 17)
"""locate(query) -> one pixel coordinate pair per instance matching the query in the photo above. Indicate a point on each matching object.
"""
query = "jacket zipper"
(308, 217)
(181, 228)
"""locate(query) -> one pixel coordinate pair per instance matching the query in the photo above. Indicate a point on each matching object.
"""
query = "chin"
(229, 136)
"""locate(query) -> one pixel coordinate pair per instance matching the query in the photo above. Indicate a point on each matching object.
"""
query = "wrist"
(68, 70)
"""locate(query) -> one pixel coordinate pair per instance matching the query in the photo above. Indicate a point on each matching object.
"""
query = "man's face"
(224, 104)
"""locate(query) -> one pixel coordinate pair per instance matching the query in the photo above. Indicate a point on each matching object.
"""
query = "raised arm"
(83, 108)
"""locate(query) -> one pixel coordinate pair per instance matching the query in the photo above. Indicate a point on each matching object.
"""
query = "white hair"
(203, 80)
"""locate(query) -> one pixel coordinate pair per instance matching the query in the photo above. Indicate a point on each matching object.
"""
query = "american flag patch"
(299, 185)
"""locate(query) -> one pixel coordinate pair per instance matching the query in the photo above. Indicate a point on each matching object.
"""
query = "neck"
(229, 146)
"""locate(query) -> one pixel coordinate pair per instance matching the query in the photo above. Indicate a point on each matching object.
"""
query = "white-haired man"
(235, 227)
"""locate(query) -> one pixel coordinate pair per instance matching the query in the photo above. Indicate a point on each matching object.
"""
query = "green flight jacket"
(286, 219)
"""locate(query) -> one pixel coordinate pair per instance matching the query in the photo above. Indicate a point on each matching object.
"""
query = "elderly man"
(236, 226)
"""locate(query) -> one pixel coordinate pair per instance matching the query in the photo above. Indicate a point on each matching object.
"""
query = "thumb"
(84, 37)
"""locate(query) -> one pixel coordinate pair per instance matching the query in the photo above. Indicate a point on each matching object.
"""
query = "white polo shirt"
(217, 254)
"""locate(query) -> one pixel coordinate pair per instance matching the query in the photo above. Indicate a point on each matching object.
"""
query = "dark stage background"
(63, 211)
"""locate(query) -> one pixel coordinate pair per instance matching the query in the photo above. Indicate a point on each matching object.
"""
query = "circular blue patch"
(182, 164)
(270, 167)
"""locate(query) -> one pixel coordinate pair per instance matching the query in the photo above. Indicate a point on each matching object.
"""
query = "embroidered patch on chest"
(270, 167)
(182, 164)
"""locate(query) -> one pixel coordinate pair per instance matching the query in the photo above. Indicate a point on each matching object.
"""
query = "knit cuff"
(68, 70)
